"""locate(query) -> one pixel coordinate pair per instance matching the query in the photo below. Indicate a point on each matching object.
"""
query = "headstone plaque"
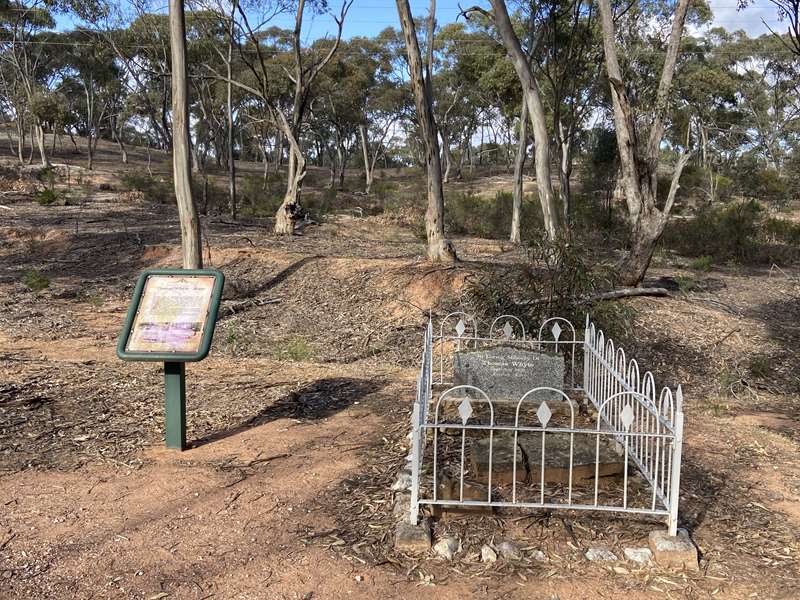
(507, 373)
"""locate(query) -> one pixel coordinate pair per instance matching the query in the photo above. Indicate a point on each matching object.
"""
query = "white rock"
(488, 555)
(640, 556)
(403, 481)
(446, 547)
(540, 556)
(510, 551)
(600, 555)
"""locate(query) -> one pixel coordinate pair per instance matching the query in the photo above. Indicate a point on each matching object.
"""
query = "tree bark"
(519, 164)
(181, 157)
(440, 249)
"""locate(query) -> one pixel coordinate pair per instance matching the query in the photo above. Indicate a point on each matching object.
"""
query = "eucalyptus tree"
(440, 249)
(299, 64)
(639, 145)
(769, 95)
(531, 90)
(567, 59)
(142, 48)
(91, 66)
(23, 27)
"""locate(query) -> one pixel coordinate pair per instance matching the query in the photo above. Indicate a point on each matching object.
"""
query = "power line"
(756, 54)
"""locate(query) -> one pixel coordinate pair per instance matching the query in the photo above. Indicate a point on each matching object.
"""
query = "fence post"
(415, 458)
(586, 356)
(675, 484)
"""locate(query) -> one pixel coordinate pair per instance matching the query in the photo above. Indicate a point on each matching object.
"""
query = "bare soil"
(298, 421)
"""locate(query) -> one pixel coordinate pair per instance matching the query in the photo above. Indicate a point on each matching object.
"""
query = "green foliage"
(767, 185)
(94, 299)
(35, 280)
(261, 198)
(731, 233)
(468, 213)
(47, 196)
(319, 205)
(295, 349)
(558, 278)
(759, 366)
(740, 232)
(154, 189)
(685, 284)
(782, 231)
(702, 263)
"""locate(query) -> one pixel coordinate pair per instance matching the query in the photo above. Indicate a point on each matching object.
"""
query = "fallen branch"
(612, 295)
(231, 308)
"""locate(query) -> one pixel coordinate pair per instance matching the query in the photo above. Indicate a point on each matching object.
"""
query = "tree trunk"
(229, 115)
(33, 147)
(342, 154)
(439, 248)
(644, 237)
(448, 158)
(39, 131)
(519, 164)
(122, 148)
(565, 172)
(72, 139)
(89, 151)
(530, 88)
(21, 131)
(368, 166)
(181, 159)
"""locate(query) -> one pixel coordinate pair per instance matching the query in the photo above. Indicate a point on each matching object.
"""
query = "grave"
(506, 373)
(557, 461)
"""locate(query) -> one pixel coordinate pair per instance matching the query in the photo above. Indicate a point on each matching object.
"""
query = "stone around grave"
(529, 458)
(507, 373)
(447, 547)
(450, 489)
(600, 555)
(676, 551)
(639, 556)
(413, 539)
(402, 505)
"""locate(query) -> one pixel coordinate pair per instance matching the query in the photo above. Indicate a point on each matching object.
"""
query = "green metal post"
(175, 404)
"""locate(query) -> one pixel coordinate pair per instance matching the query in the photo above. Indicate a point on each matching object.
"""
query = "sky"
(369, 17)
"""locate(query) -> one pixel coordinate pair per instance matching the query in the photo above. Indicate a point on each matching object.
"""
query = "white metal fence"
(545, 450)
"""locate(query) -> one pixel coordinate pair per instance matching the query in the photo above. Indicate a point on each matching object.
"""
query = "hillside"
(300, 414)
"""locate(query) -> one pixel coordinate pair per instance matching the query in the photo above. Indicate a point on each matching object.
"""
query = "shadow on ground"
(317, 400)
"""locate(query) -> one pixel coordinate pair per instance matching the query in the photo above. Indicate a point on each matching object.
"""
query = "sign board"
(172, 315)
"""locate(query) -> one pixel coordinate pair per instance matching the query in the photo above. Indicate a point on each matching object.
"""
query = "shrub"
(728, 233)
(702, 263)
(468, 213)
(759, 366)
(782, 231)
(47, 196)
(685, 284)
(556, 279)
(294, 349)
(261, 198)
(319, 205)
(154, 189)
(35, 280)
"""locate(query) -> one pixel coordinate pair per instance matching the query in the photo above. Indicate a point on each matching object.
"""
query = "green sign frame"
(210, 323)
